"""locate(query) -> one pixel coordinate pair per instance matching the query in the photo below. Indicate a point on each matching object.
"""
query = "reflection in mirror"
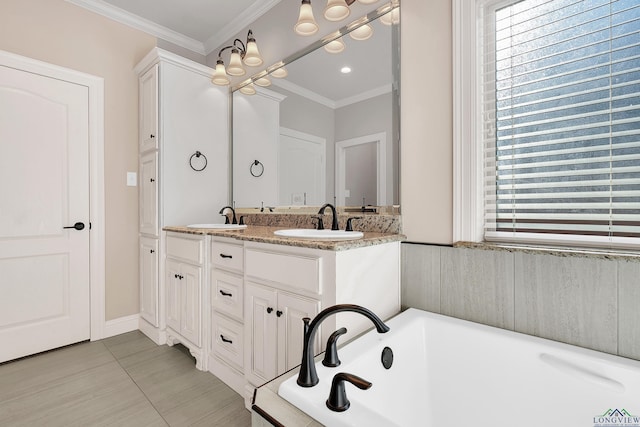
(323, 134)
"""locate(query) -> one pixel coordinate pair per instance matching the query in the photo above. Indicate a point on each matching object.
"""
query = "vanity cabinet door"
(148, 215)
(149, 280)
(172, 284)
(291, 310)
(190, 284)
(149, 110)
(260, 333)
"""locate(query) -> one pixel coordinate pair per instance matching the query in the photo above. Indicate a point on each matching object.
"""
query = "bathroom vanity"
(236, 299)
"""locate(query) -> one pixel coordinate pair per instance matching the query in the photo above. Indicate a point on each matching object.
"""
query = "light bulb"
(306, 24)
(235, 64)
(391, 18)
(336, 10)
(335, 46)
(280, 73)
(248, 89)
(252, 57)
(263, 81)
(362, 33)
(220, 75)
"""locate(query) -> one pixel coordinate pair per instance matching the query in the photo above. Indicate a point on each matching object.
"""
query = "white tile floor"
(125, 380)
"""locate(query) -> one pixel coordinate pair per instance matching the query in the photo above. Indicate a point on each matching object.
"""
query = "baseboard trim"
(121, 325)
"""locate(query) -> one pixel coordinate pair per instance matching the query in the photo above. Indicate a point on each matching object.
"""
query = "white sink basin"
(304, 233)
(218, 226)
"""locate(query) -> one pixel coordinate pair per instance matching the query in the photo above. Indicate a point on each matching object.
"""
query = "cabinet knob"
(278, 313)
(152, 180)
(152, 251)
(269, 310)
(175, 275)
(152, 136)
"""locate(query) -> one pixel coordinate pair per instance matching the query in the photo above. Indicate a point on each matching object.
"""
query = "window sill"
(617, 255)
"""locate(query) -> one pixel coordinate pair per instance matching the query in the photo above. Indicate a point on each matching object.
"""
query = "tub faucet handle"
(331, 359)
(337, 400)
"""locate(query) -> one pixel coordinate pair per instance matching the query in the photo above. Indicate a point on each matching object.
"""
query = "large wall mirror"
(323, 134)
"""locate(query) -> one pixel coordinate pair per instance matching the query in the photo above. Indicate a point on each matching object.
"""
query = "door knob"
(78, 226)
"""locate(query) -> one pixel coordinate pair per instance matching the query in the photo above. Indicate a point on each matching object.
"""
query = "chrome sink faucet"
(308, 377)
(334, 223)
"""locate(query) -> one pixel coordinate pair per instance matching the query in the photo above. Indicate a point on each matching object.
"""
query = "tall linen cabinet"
(183, 121)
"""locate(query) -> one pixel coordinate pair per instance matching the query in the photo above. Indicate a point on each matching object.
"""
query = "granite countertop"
(264, 234)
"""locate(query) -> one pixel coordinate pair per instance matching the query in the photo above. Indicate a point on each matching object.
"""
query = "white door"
(44, 187)
(301, 168)
(361, 171)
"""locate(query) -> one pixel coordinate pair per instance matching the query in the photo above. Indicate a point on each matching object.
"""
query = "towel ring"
(198, 160)
(256, 168)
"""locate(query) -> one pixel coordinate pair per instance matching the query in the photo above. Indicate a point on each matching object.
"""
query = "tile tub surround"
(584, 298)
(264, 234)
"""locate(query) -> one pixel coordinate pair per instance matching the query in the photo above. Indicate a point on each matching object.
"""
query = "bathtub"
(448, 372)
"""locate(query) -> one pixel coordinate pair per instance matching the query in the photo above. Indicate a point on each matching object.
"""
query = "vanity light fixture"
(240, 52)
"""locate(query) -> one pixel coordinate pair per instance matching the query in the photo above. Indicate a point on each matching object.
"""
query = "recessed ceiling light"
(345, 70)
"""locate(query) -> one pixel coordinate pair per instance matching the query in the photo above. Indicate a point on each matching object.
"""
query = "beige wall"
(60, 33)
(426, 117)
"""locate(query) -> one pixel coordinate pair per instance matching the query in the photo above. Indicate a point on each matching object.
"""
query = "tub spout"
(308, 376)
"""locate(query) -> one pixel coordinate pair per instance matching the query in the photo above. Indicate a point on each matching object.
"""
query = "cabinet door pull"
(278, 313)
(269, 310)
(152, 251)
(152, 136)
(226, 294)
(225, 340)
(152, 180)
(225, 256)
(175, 275)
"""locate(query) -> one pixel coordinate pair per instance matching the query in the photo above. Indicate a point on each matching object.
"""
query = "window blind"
(560, 91)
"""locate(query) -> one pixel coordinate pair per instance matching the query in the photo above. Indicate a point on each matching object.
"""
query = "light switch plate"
(132, 179)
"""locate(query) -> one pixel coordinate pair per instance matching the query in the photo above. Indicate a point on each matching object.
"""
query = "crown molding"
(134, 21)
(306, 93)
(372, 93)
(237, 24)
(313, 96)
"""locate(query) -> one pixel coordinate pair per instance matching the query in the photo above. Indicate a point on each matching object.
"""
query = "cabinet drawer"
(227, 340)
(227, 293)
(295, 271)
(227, 255)
(186, 249)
